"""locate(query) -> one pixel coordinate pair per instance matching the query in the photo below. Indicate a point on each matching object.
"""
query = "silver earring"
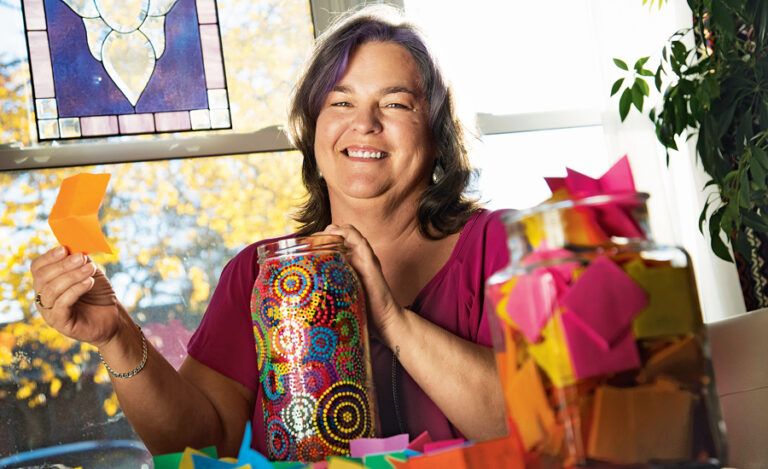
(437, 174)
(319, 173)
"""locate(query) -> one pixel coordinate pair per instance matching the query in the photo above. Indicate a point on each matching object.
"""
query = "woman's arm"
(458, 375)
(168, 409)
(171, 410)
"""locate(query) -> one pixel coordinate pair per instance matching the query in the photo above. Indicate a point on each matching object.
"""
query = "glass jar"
(600, 342)
(309, 324)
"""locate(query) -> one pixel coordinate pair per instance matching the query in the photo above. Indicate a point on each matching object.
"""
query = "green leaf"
(703, 216)
(646, 89)
(757, 172)
(718, 247)
(679, 51)
(744, 190)
(637, 95)
(760, 157)
(645, 72)
(657, 80)
(616, 86)
(624, 103)
(621, 64)
(640, 62)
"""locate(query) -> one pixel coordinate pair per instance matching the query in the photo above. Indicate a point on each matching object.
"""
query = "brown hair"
(444, 207)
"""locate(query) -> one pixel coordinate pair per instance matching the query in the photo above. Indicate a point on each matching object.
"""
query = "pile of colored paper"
(397, 452)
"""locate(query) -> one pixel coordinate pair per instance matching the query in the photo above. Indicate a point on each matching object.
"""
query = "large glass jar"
(600, 341)
(309, 324)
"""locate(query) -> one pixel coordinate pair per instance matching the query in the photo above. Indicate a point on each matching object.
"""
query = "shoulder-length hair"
(444, 207)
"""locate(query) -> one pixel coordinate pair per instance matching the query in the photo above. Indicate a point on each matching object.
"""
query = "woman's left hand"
(382, 307)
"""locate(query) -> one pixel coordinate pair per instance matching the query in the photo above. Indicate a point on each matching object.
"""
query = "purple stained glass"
(84, 88)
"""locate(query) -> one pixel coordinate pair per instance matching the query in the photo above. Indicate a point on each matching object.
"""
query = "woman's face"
(372, 138)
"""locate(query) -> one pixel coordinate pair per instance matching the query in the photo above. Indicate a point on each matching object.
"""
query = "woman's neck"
(382, 224)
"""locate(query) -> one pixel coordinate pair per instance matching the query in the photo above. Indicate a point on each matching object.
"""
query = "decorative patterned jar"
(600, 342)
(309, 324)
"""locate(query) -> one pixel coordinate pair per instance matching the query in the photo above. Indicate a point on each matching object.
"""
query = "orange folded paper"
(74, 218)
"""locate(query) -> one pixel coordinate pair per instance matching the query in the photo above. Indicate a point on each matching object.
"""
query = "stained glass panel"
(105, 67)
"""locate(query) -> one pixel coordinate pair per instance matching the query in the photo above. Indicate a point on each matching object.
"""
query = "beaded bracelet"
(135, 371)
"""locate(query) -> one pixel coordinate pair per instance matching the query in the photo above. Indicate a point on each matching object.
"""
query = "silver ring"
(39, 302)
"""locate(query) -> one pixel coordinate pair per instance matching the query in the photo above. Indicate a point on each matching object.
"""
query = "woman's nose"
(366, 120)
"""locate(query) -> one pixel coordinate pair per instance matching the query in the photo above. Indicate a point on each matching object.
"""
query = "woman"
(385, 167)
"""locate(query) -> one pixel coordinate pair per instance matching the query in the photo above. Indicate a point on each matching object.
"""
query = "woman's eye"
(341, 104)
(396, 106)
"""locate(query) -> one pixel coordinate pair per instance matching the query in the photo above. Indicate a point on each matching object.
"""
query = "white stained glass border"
(52, 127)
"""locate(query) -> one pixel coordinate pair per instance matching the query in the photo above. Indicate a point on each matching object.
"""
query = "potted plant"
(713, 80)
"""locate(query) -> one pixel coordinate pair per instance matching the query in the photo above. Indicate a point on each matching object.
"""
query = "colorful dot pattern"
(309, 326)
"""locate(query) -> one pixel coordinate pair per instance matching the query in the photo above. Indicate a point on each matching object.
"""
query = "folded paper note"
(532, 301)
(528, 406)
(617, 180)
(605, 300)
(501, 452)
(637, 425)
(364, 446)
(74, 217)
(681, 359)
(552, 355)
(612, 219)
(417, 444)
(673, 307)
(589, 357)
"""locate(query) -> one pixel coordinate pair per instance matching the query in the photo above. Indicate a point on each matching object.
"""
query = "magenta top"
(454, 300)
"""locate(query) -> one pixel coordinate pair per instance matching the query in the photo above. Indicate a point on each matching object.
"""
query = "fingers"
(356, 242)
(54, 279)
(54, 255)
(61, 311)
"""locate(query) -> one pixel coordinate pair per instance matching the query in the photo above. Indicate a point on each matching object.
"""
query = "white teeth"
(366, 154)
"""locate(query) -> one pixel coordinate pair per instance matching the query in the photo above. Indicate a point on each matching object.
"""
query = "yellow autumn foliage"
(172, 225)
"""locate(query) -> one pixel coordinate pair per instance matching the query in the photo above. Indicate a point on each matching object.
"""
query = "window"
(173, 224)
(535, 78)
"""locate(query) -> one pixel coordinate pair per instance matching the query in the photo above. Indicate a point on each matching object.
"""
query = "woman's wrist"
(126, 348)
(394, 329)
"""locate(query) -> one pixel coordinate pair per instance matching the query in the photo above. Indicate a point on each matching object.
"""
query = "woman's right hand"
(77, 299)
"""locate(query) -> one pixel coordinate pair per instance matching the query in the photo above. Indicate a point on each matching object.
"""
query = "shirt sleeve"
(224, 340)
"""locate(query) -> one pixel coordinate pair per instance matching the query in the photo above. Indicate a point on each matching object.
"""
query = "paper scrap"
(248, 455)
(673, 307)
(452, 458)
(500, 452)
(442, 445)
(589, 356)
(74, 217)
(417, 444)
(341, 462)
(641, 424)
(682, 359)
(383, 461)
(364, 446)
(532, 301)
(528, 406)
(606, 300)
(552, 355)
(206, 462)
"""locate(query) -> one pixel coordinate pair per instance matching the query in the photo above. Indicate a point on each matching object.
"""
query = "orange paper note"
(74, 218)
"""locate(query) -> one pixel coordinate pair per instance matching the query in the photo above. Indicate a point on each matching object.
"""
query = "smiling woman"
(373, 114)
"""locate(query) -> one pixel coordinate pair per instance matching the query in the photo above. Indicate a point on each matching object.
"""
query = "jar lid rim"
(299, 244)
(513, 216)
